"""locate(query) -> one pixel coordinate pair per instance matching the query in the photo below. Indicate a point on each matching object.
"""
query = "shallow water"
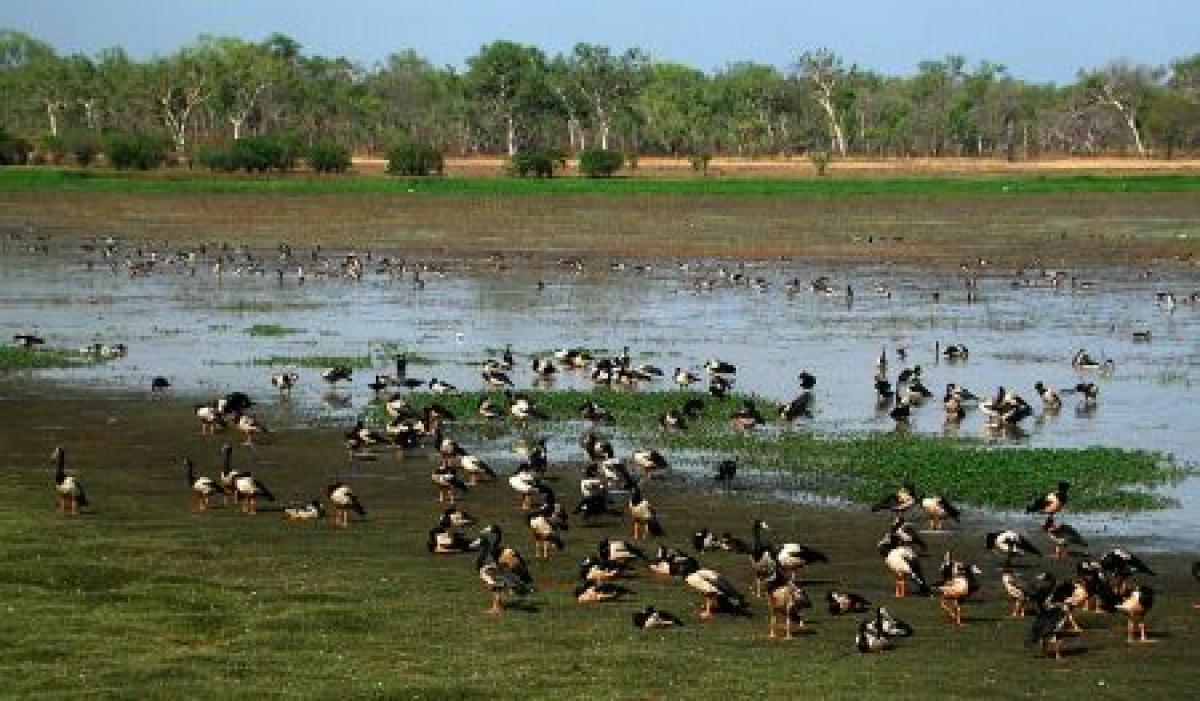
(192, 329)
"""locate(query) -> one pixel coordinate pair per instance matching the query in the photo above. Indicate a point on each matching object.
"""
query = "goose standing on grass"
(67, 487)
(344, 501)
(501, 572)
(643, 517)
(1052, 503)
(798, 408)
(210, 417)
(545, 525)
(1017, 590)
(963, 581)
(439, 387)
(476, 469)
(904, 565)
(496, 378)
(726, 472)
(593, 412)
(203, 488)
(1063, 536)
(718, 592)
(672, 420)
(785, 600)
(593, 592)
(1009, 543)
(250, 427)
(762, 557)
(793, 557)
(228, 475)
(650, 618)
(1135, 605)
(249, 490)
(448, 483)
(1048, 630)
(522, 409)
(159, 385)
(719, 386)
(938, 509)
(901, 532)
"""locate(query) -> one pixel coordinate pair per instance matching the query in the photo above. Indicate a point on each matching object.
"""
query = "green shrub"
(84, 145)
(700, 161)
(52, 148)
(598, 163)
(135, 151)
(14, 151)
(258, 154)
(820, 159)
(414, 159)
(217, 158)
(329, 158)
(537, 163)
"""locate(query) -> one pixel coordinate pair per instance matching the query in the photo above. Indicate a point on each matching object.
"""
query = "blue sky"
(1042, 40)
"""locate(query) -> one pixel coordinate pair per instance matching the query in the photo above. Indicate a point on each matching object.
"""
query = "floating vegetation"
(256, 306)
(358, 362)
(863, 466)
(386, 350)
(271, 330)
(13, 358)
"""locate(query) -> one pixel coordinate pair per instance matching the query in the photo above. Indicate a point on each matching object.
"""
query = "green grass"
(254, 306)
(358, 362)
(28, 179)
(13, 358)
(864, 467)
(270, 330)
(142, 598)
(387, 350)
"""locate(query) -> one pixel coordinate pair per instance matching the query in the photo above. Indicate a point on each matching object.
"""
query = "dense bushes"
(14, 151)
(414, 159)
(538, 163)
(598, 163)
(329, 158)
(253, 154)
(127, 151)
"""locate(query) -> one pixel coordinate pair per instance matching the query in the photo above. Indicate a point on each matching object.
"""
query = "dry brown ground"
(800, 167)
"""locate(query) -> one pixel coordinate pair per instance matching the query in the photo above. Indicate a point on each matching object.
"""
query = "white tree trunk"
(835, 126)
(237, 121)
(1128, 118)
(52, 113)
(512, 135)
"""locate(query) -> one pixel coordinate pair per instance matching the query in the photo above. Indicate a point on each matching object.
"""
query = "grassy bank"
(142, 598)
(863, 467)
(201, 183)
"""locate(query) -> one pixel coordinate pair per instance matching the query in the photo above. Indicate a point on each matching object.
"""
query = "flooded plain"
(198, 330)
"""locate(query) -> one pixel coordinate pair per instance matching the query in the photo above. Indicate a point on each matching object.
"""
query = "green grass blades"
(14, 359)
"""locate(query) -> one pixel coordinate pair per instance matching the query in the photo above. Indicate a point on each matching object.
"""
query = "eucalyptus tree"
(242, 71)
(510, 82)
(607, 82)
(1126, 89)
(756, 106)
(831, 88)
(676, 109)
(181, 83)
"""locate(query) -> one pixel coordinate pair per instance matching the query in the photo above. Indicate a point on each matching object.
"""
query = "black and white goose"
(522, 409)
(1051, 401)
(672, 420)
(501, 571)
(649, 461)
(762, 557)
(685, 378)
(545, 526)
(308, 511)
(448, 484)
(938, 509)
(642, 515)
(798, 408)
(841, 603)
(1135, 605)
(961, 581)
(67, 487)
(719, 367)
(1062, 535)
(1010, 544)
(786, 601)
(441, 387)
(898, 502)
(726, 472)
(284, 381)
(956, 351)
(718, 592)
(594, 592)
(671, 562)
(496, 378)
(807, 380)
(249, 490)
(526, 483)
(1048, 629)
(1052, 503)
(249, 427)
(210, 418)
(476, 469)
(902, 532)
(593, 412)
(338, 373)
(344, 502)
(747, 416)
(544, 369)
(650, 618)
(620, 551)
(203, 488)
(719, 386)
(1019, 592)
(904, 565)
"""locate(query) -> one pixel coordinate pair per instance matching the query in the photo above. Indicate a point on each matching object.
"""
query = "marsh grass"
(358, 362)
(13, 358)
(864, 466)
(270, 330)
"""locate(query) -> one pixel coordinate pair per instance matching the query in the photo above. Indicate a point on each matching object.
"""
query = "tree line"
(513, 97)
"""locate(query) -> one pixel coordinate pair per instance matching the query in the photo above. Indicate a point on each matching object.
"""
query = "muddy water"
(1020, 329)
